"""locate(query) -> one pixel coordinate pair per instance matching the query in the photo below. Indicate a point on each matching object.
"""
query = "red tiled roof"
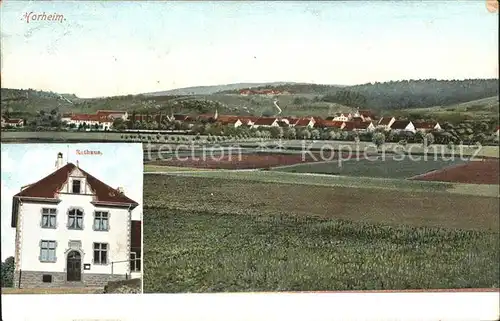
(303, 122)
(363, 125)
(400, 124)
(329, 124)
(88, 117)
(49, 186)
(384, 121)
(264, 121)
(136, 236)
(425, 125)
(13, 121)
(228, 118)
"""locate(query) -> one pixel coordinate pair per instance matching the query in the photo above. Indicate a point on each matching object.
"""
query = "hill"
(208, 90)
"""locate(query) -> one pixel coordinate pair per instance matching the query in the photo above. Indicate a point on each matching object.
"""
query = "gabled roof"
(329, 124)
(47, 188)
(89, 117)
(385, 121)
(303, 122)
(264, 121)
(400, 124)
(14, 121)
(425, 125)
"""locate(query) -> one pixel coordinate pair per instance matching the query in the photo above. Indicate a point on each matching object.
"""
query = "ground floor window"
(47, 251)
(135, 262)
(100, 253)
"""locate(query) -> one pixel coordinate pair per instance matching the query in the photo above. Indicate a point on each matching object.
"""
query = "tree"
(378, 139)
(7, 272)
(428, 140)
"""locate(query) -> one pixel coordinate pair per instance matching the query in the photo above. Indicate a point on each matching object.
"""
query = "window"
(135, 262)
(101, 221)
(75, 219)
(49, 217)
(76, 186)
(47, 278)
(100, 253)
(47, 251)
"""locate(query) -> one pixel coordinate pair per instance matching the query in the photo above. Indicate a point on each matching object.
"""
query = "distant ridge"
(209, 90)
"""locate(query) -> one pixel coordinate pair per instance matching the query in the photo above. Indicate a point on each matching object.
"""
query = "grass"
(319, 180)
(188, 251)
(387, 168)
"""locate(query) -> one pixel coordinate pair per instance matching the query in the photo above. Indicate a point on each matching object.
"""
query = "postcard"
(259, 149)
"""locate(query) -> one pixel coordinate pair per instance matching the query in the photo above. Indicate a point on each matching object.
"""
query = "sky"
(117, 48)
(24, 164)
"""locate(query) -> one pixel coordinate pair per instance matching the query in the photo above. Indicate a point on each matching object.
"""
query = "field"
(387, 167)
(214, 234)
(212, 160)
(479, 172)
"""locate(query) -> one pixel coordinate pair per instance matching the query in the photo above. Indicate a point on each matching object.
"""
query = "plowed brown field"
(476, 172)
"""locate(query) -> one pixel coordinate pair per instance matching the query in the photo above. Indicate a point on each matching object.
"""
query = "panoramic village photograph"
(71, 221)
(285, 146)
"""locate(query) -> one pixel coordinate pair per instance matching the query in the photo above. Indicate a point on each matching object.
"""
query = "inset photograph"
(71, 218)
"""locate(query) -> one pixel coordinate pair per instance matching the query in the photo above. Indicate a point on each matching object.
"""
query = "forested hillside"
(399, 94)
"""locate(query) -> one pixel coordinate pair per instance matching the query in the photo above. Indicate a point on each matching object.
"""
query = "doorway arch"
(74, 266)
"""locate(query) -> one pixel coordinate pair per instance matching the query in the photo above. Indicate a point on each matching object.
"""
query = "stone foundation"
(34, 279)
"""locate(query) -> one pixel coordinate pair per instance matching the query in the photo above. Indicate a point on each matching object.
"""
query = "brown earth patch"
(485, 171)
(244, 161)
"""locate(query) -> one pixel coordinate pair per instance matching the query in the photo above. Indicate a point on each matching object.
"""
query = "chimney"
(120, 190)
(59, 161)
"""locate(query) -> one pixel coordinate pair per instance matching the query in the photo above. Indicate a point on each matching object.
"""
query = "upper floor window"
(49, 217)
(101, 221)
(75, 219)
(47, 251)
(76, 186)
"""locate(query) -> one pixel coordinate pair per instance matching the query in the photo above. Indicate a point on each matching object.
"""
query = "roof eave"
(115, 204)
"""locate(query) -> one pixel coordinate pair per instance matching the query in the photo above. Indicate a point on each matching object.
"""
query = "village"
(354, 125)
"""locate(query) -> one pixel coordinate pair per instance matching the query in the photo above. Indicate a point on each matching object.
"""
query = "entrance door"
(74, 266)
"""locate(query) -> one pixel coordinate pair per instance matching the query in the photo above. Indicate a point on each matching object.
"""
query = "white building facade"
(72, 230)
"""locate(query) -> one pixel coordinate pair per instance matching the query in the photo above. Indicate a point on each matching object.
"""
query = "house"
(73, 230)
(89, 120)
(365, 126)
(329, 124)
(496, 133)
(356, 126)
(305, 122)
(385, 123)
(340, 117)
(427, 126)
(248, 120)
(66, 117)
(113, 114)
(403, 126)
(14, 122)
(367, 115)
(266, 122)
(233, 121)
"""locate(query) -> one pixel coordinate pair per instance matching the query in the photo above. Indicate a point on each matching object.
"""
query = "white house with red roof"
(266, 122)
(113, 114)
(74, 230)
(90, 120)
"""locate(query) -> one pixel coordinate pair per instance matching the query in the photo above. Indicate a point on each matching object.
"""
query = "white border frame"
(463, 306)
